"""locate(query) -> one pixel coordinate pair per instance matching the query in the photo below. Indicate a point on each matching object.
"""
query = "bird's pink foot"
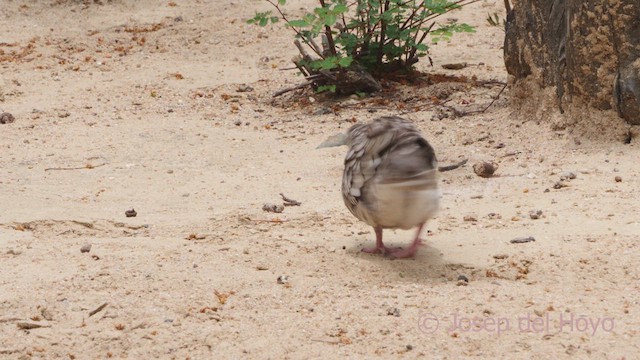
(380, 250)
(406, 253)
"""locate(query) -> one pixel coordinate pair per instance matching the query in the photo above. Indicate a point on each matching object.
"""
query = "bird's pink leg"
(411, 250)
(380, 248)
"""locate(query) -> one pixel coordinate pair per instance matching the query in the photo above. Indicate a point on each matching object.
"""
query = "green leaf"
(323, 88)
(298, 23)
(330, 19)
(345, 61)
(282, 2)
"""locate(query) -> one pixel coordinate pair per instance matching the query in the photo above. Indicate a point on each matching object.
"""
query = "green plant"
(376, 35)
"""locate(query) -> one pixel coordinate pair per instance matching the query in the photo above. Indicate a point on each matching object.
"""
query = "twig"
(326, 341)
(453, 166)
(88, 166)
(98, 309)
(286, 90)
(29, 325)
(465, 113)
(290, 202)
(271, 221)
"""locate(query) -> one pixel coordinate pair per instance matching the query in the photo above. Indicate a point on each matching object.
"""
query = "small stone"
(244, 88)
(262, 267)
(522, 240)
(462, 277)
(409, 347)
(455, 66)
(85, 248)
(470, 217)
(130, 213)
(14, 252)
(237, 122)
(567, 175)
(485, 169)
(7, 118)
(323, 111)
(275, 208)
(283, 279)
(618, 179)
(535, 214)
(393, 312)
(560, 184)
(500, 256)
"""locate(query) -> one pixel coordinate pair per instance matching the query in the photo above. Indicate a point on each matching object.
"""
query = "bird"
(390, 180)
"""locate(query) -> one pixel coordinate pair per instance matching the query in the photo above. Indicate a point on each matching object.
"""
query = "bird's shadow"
(426, 267)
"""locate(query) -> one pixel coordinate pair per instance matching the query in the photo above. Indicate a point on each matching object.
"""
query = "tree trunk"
(589, 50)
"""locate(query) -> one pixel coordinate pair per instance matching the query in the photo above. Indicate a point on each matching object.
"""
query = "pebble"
(560, 184)
(275, 208)
(567, 175)
(393, 312)
(485, 169)
(237, 122)
(462, 277)
(283, 279)
(244, 88)
(85, 248)
(535, 214)
(131, 213)
(618, 179)
(522, 240)
(14, 252)
(7, 118)
(470, 217)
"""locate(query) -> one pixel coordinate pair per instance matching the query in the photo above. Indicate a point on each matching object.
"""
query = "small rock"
(14, 252)
(567, 175)
(522, 240)
(500, 256)
(560, 184)
(262, 267)
(131, 213)
(244, 88)
(393, 312)
(237, 122)
(85, 248)
(7, 118)
(485, 169)
(455, 66)
(462, 277)
(618, 179)
(535, 214)
(283, 279)
(409, 347)
(470, 217)
(275, 208)
(323, 111)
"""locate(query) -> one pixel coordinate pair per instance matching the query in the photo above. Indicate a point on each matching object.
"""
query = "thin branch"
(284, 17)
(286, 90)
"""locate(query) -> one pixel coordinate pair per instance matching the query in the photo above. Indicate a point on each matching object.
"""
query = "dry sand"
(134, 104)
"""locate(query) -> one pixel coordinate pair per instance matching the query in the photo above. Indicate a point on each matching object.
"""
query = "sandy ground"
(135, 104)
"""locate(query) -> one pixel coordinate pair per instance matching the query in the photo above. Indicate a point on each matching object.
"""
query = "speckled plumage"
(389, 179)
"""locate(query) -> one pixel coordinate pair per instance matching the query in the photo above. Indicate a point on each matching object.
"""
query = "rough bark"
(587, 49)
